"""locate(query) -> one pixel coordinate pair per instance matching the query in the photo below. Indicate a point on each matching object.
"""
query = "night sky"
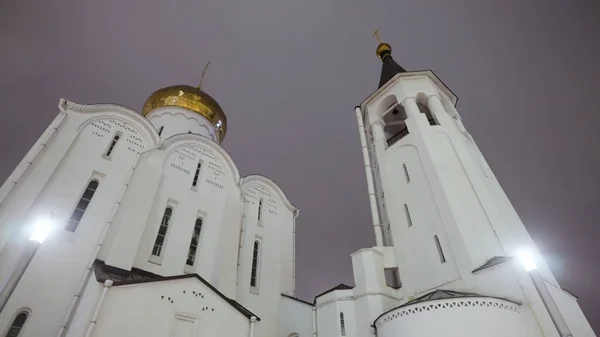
(288, 73)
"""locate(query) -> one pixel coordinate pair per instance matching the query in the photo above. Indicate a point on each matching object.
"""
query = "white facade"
(448, 240)
(156, 233)
(134, 174)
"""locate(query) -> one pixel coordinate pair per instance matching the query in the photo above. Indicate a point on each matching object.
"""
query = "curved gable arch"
(182, 140)
(253, 180)
(149, 134)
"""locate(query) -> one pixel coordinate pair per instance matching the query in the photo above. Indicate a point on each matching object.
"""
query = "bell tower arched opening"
(393, 116)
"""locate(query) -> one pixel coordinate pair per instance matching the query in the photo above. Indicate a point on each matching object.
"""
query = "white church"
(119, 223)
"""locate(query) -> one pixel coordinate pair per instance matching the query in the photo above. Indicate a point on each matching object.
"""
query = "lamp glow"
(41, 230)
(528, 261)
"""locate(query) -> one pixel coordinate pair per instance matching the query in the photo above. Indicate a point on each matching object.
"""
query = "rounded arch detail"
(182, 140)
(386, 103)
(146, 129)
(258, 180)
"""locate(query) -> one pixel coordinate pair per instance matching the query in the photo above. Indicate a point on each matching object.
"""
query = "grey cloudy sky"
(288, 74)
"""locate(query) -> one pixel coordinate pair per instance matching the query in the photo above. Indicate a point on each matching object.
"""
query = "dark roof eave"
(158, 278)
(494, 261)
(340, 286)
(297, 299)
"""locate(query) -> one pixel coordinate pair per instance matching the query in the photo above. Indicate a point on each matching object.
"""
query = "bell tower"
(433, 197)
(444, 228)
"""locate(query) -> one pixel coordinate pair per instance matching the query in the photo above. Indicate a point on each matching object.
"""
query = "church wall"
(511, 231)
(276, 222)
(150, 309)
(136, 182)
(341, 303)
(415, 226)
(454, 200)
(85, 309)
(83, 161)
(123, 239)
(294, 316)
(571, 312)
(19, 198)
(215, 199)
(328, 322)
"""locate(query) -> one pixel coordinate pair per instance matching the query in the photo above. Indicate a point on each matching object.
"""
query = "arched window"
(439, 248)
(82, 205)
(407, 214)
(162, 232)
(17, 324)
(260, 204)
(394, 119)
(423, 108)
(255, 265)
(196, 175)
(112, 145)
(342, 324)
(194, 244)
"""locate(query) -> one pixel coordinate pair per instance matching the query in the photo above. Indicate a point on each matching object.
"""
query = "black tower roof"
(389, 67)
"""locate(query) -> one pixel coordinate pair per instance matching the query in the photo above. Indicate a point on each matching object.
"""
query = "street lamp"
(528, 261)
(41, 229)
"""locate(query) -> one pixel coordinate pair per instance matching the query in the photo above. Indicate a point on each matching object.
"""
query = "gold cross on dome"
(202, 76)
(376, 35)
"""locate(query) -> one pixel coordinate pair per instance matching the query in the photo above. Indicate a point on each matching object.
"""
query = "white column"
(379, 144)
(369, 174)
(94, 320)
(378, 134)
(410, 107)
(435, 105)
(437, 109)
(252, 323)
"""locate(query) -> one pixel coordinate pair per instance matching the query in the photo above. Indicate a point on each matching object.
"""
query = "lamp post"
(41, 230)
(528, 262)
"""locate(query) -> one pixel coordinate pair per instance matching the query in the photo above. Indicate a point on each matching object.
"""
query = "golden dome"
(192, 99)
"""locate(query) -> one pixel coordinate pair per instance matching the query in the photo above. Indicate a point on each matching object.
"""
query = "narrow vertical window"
(439, 248)
(162, 232)
(112, 145)
(254, 273)
(406, 173)
(17, 325)
(195, 182)
(194, 244)
(342, 324)
(82, 205)
(407, 213)
(260, 204)
(160, 130)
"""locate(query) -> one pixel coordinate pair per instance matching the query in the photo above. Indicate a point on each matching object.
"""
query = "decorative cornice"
(262, 180)
(133, 116)
(181, 140)
(190, 116)
(413, 75)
